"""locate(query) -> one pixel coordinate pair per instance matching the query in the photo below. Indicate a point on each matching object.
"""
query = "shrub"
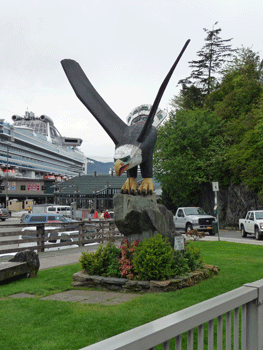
(195, 235)
(127, 252)
(153, 259)
(104, 262)
(180, 264)
(193, 254)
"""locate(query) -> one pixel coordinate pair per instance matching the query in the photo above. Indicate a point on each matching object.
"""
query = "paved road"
(72, 255)
(233, 236)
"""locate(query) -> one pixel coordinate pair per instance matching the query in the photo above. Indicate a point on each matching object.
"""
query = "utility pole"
(216, 189)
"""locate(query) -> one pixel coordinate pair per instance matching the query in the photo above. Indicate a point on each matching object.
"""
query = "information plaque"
(178, 243)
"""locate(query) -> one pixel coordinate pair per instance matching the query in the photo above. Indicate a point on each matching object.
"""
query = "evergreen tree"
(221, 140)
(212, 58)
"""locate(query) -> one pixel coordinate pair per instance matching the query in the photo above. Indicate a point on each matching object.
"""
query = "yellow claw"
(129, 185)
(147, 185)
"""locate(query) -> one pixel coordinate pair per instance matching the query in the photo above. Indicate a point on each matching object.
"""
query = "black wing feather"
(87, 94)
(157, 100)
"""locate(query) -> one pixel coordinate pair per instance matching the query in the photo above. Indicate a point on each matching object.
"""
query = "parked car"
(52, 209)
(252, 224)
(4, 214)
(53, 237)
(42, 218)
(7, 256)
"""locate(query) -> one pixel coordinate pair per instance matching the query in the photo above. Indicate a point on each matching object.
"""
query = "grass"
(32, 323)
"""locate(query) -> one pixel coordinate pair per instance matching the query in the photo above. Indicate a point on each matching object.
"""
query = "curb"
(82, 279)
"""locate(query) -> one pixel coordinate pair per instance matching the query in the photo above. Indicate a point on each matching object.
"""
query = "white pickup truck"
(252, 224)
(189, 218)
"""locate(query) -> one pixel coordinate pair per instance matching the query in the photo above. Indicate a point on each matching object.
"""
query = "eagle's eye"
(125, 159)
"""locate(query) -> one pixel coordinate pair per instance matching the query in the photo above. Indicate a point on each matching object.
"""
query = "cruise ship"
(140, 114)
(33, 148)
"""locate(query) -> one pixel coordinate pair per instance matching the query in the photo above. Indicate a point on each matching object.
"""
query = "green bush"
(153, 259)
(180, 264)
(193, 254)
(104, 262)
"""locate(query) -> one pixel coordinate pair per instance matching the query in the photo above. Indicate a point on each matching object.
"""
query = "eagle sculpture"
(134, 144)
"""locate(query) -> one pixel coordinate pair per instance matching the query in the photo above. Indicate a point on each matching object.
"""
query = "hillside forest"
(215, 127)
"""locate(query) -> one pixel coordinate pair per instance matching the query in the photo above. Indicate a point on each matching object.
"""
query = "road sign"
(215, 186)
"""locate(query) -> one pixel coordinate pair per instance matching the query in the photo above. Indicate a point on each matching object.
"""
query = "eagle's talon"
(133, 192)
(151, 192)
(129, 186)
(144, 192)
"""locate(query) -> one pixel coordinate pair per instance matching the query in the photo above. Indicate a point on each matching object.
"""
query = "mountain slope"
(100, 167)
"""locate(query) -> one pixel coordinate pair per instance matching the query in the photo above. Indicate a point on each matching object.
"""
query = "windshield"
(62, 218)
(259, 215)
(194, 211)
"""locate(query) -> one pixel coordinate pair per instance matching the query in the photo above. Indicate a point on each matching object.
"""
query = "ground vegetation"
(49, 324)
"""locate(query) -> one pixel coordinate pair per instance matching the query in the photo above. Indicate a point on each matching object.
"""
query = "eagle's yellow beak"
(120, 167)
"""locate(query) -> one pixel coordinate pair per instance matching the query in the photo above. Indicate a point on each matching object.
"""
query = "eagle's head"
(126, 157)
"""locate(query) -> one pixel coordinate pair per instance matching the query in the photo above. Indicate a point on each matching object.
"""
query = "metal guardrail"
(234, 320)
(89, 231)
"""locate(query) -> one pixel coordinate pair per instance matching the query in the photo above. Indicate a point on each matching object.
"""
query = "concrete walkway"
(85, 297)
(71, 256)
(63, 257)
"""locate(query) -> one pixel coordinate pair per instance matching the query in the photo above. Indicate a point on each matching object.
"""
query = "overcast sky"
(125, 47)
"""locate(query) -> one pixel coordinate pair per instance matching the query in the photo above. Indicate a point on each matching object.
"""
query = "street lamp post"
(10, 139)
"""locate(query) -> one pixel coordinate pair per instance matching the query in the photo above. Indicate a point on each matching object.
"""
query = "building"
(34, 155)
(95, 191)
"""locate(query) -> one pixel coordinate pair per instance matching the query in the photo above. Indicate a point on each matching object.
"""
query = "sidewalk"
(71, 256)
(63, 257)
(233, 240)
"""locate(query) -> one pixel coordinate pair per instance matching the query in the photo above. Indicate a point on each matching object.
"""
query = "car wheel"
(2, 219)
(243, 232)
(258, 236)
(188, 228)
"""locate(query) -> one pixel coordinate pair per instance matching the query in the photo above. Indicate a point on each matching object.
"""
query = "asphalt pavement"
(70, 256)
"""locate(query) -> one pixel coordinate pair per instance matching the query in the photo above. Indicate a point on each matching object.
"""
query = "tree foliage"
(205, 73)
(221, 139)
(189, 152)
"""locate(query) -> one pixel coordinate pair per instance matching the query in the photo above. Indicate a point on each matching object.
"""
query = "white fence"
(233, 320)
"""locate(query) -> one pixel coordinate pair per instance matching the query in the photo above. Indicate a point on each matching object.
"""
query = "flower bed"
(82, 279)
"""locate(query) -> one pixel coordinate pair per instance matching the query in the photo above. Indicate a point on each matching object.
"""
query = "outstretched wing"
(84, 90)
(157, 100)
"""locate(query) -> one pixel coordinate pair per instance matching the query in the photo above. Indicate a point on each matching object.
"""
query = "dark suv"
(4, 214)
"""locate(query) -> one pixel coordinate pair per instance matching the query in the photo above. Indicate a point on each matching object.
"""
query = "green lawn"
(31, 323)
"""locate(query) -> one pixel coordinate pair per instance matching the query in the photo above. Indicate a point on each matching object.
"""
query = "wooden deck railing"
(87, 231)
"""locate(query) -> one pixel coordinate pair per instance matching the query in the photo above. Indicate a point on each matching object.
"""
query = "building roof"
(89, 184)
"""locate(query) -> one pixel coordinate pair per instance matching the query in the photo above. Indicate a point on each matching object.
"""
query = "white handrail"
(249, 296)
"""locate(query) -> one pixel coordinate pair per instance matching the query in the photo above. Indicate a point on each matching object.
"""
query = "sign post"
(216, 189)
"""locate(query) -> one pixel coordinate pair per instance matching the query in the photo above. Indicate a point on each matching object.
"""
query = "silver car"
(4, 214)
